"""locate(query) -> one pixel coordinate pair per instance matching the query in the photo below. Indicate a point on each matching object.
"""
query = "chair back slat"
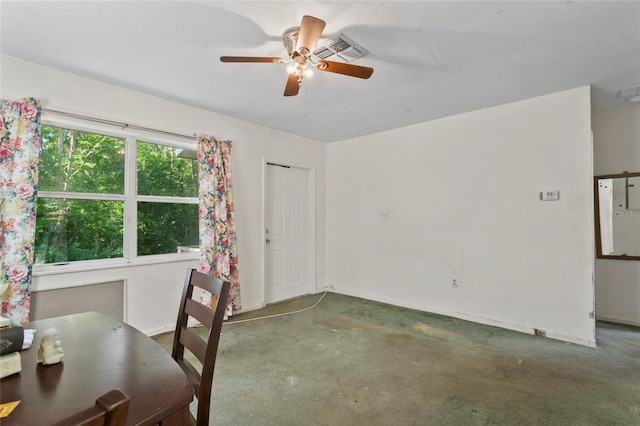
(194, 343)
(203, 349)
(205, 282)
(202, 313)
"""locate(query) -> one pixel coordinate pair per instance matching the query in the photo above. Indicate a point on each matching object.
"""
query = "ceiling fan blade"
(310, 31)
(345, 69)
(269, 59)
(293, 86)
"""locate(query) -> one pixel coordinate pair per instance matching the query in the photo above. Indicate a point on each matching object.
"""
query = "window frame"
(129, 197)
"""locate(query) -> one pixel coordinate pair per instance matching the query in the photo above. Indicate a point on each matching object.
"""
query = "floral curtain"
(218, 249)
(19, 156)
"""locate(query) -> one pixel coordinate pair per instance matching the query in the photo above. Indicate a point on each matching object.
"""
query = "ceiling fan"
(300, 43)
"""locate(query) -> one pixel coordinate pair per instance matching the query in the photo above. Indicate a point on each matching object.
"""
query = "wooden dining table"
(100, 354)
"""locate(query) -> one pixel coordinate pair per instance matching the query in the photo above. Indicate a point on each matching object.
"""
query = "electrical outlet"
(384, 214)
(455, 283)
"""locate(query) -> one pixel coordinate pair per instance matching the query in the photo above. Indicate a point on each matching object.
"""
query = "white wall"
(462, 195)
(616, 142)
(152, 291)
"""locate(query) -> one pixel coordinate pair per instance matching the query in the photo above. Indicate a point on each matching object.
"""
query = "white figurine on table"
(49, 351)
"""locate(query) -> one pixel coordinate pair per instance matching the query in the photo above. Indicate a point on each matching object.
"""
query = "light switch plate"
(550, 195)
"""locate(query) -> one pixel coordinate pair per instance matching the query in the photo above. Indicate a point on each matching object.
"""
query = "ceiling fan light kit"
(300, 44)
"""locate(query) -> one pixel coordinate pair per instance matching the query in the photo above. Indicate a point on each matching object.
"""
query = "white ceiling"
(431, 59)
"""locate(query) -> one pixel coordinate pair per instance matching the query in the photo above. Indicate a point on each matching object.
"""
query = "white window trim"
(130, 198)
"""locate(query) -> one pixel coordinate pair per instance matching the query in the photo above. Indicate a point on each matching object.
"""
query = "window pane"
(166, 171)
(74, 161)
(163, 227)
(69, 230)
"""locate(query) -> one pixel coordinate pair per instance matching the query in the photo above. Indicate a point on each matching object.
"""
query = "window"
(167, 186)
(110, 196)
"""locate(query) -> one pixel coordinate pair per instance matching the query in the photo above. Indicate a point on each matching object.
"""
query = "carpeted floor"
(350, 361)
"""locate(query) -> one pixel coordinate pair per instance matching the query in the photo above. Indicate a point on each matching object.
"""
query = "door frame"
(311, 220)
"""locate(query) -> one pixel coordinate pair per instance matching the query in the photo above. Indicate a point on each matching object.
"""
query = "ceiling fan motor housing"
(290, 40)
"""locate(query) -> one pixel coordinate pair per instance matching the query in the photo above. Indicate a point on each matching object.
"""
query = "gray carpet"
(350, 361)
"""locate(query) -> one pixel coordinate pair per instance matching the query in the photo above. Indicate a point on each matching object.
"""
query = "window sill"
(96, 265)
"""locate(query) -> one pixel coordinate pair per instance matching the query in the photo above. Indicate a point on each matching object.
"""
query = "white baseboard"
(192, 322)
(464, 316)
(159, 330)
(249, 308)
(617, 320)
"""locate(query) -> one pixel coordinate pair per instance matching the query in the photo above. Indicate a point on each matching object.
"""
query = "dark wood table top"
(100, 354)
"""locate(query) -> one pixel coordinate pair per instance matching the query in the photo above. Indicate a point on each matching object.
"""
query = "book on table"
(11, 339)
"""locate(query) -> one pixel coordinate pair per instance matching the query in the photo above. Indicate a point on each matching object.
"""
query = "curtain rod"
(117, 123)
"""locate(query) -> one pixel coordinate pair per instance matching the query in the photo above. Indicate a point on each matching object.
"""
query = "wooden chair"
(204, 350)
(111, 409)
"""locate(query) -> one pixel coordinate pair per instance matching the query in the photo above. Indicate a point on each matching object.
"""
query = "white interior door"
(286, 239)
